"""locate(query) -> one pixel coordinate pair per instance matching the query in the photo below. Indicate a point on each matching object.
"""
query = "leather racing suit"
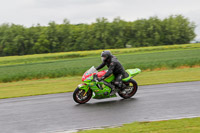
(114, 67)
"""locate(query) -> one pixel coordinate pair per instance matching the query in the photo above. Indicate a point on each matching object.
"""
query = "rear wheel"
(130, 90)
(80, 96)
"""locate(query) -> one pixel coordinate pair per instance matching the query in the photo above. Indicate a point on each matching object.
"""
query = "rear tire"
(130, 90)
(79, 97)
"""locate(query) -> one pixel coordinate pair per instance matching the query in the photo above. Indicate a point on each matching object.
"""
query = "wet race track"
(58, 112)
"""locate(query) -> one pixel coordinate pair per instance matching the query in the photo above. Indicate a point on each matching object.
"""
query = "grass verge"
(187, 125)
(68, 84)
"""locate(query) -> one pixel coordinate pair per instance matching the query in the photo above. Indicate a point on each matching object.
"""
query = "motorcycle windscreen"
(89, 73)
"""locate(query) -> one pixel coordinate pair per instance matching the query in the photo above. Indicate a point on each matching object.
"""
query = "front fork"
(83, 87)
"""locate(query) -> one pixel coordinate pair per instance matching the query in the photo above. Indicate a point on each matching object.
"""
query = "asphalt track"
(58, 112)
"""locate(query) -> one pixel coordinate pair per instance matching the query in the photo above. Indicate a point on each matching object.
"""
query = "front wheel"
(130, 90)
(80, 96)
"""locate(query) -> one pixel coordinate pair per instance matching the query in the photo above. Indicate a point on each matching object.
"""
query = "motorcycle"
(93, 88)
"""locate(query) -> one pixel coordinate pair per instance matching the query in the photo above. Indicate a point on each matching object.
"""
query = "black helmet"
(105, 55)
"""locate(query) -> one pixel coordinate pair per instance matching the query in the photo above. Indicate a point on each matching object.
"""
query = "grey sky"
(31, 12)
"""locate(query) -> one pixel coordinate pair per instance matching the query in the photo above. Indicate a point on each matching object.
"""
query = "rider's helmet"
(105, 55)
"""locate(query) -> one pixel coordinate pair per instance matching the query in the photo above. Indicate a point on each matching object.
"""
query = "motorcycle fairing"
(83, 86)
(100, 94)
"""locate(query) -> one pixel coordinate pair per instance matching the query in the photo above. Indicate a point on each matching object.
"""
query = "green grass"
(77, 66)
(187, 125)
(11, 60)
(68, 84)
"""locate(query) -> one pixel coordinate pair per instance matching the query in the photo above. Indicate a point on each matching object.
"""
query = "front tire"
(130, 90)
(80, 96)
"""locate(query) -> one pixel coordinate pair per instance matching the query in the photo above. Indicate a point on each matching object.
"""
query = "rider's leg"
(113, 90)
(118, 81)
(109, 85)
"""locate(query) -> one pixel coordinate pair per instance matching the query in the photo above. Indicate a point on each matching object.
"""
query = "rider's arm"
(110, 70)
(101, 66)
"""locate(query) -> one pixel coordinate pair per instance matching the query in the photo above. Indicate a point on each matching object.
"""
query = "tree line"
(102, 34)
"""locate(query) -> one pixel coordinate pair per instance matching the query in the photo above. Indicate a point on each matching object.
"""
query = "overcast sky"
(32, 12)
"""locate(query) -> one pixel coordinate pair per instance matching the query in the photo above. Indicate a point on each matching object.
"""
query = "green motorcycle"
(93, 88)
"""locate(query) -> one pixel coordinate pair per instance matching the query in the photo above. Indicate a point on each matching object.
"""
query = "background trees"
(20, 40)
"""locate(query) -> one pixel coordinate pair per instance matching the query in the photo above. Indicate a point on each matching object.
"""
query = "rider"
(114, 67)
